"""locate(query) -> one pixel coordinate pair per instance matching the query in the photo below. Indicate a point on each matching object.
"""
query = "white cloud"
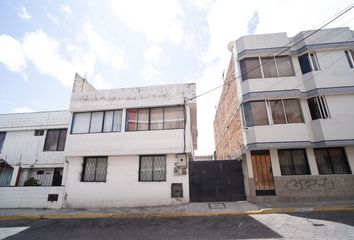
(44, 53)
(12, 54)
(158, 20)
(152, 57)
(100, 83)
(150, 73)
(66, 9)
(23, 109)
(153, 54)
(24, 14)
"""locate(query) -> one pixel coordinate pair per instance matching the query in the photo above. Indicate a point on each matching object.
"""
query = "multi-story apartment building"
(32, 148)
(286, 110)
(129, 147)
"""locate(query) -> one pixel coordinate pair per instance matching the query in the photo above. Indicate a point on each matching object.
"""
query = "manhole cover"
(217, 205)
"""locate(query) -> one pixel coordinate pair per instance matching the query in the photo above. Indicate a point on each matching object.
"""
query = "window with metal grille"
(350, 57)
(318, 107)
(94, 169)
(39, 132)
(162, 118)
(55, 140)
(308, 62)
(332, 161)
(293, 162)
(2, 139)
(152, 168)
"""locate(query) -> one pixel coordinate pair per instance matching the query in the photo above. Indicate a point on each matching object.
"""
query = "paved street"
(266, 226)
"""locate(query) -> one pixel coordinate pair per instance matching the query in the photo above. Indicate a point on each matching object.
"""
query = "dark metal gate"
(216, 181)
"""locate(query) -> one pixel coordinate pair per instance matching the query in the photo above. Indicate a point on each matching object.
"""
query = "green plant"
(31, 182)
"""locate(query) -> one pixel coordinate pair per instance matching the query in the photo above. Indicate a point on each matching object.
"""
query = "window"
(332, 161)
(293, 162)
(266, 67)
(94, 169)
(350, 57)
(152, 168)
(155, 118)
(97, 122)
(55, 140)
(280, 112)
(309, 62)
(318, 107)
(39, 132)
(2, 139)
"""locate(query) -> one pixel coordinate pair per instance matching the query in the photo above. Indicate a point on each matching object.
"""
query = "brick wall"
(227, 122)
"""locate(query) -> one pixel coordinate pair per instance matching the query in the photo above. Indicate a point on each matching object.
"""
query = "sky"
(130, 43)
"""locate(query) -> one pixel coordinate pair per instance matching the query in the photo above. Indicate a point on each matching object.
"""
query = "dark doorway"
(216, 181)
(57, 177)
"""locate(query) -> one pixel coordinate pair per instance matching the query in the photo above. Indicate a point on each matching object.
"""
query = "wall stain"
(320, 184)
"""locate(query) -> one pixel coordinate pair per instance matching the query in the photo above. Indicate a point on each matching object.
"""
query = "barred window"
(94, 169)
(152, 168)
(332, 161)
(55, 140)
(293, 162)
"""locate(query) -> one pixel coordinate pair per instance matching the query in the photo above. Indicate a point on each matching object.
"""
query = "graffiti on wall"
(320, 184)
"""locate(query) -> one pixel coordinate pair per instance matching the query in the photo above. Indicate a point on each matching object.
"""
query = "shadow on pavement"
(338, 217)
(216, 227)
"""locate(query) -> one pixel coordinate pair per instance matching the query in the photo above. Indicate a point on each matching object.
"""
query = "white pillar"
(14, 176)
(312, 161)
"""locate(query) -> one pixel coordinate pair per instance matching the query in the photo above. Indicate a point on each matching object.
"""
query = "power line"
(336, 16)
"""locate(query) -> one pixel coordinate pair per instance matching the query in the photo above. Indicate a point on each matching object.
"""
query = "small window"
(332, 161)
(256, 113)
(55, 140)
(350, 57)
(250, 68)
(39, 132)
(2, 139)
(152, 168)
(293, 162)
(173, 117)
(318, 107)
(309, 62)
(94, 169)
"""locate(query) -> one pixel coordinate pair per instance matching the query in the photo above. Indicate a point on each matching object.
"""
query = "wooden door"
(262, 173)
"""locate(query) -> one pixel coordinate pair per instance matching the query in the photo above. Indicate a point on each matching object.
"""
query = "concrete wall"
(122, 188)
(30, 197)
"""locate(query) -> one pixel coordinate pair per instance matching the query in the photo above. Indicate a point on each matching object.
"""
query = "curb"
(348, 208)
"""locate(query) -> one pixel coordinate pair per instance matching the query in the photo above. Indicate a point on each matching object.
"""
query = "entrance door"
(262, 173)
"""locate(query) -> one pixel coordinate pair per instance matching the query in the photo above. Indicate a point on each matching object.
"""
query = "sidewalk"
(185, 210)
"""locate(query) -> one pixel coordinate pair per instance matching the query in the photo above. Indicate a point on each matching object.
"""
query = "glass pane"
(108, 121)
(156, 119)
(339, 161)
(348, 59)
(268, 66)
(2, 139)
(173, 118)
(96, 122)
(256, 113)
(293, 111)
(314, 62)
(101, 169)
(250, 68)
(313, 106)
(300, 162)
(81, 123)
(323, 161)
(286, 165)
(285, 67)
(51, 140)
(277, 112)
(132, 119)
(145, 173)
(117, 121)
(143, 119)
(304, 64)
(159, 171)
(89, 171)
(62, 138)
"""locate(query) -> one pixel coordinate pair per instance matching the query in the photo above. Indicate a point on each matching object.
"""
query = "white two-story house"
(129, 147)
(293, 114)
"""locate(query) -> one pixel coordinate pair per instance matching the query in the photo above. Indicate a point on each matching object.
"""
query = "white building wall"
(122, 188)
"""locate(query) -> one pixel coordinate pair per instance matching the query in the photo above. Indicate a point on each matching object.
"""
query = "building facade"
(285, 110)
(32, 159)
(129, 147)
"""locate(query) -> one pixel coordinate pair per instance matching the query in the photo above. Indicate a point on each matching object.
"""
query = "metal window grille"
(152, 168)
(94, 169)
(332, 161)
(293, 162)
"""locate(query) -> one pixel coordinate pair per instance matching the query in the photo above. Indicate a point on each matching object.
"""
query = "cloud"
(23, 109)
(12, 54)
(66, 9)
(158, 20)
(24, 14)
(252, 24)
(152, 57)
(153, 54)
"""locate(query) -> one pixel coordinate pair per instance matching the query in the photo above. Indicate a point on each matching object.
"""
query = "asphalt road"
(267, 226)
